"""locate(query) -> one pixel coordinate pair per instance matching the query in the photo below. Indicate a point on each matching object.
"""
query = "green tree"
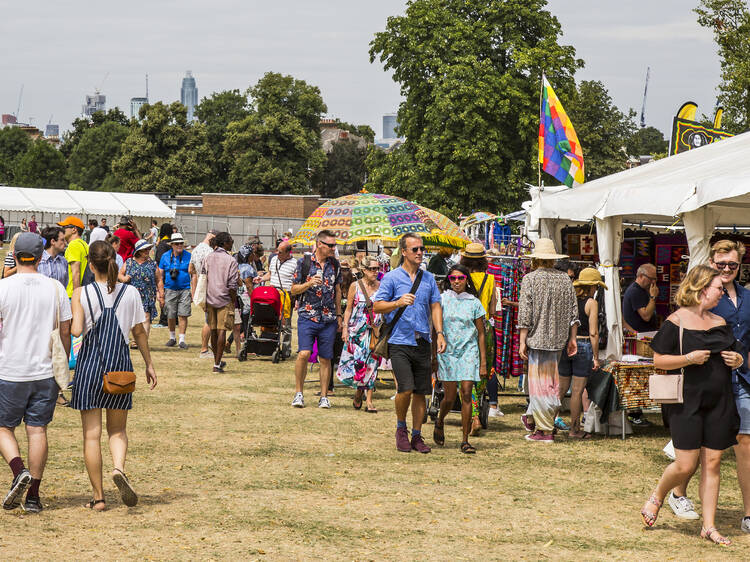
(80, 125)
(364, 131)
(345, 169)
(216, 113)
(469, 71)
(648, 140)
(90, 163)
(603, 130)
(730, 22)
(13, 144)
(164, 153)
(40, 166)
(276, 149)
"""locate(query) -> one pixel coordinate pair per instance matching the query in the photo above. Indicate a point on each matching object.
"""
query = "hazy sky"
(64, 50)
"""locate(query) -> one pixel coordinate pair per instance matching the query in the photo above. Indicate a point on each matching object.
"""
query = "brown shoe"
(402, 440)
(418, 444)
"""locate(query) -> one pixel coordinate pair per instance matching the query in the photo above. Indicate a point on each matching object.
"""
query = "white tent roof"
(717, 175)
(29, 199)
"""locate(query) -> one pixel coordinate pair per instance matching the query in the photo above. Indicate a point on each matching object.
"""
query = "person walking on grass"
(197, 256)
(409, 296)
(547, 318)
(318, 280)
(175, 287)
(104, 313)
(465, 357)
(358, 367)
(222, 274)
(142, 273)
(76, 253)
(30, 305)
(701, 344)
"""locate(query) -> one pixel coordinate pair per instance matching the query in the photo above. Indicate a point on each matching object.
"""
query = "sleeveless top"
(583, 329)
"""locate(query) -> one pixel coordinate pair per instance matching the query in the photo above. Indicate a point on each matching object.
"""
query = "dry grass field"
(226, 469)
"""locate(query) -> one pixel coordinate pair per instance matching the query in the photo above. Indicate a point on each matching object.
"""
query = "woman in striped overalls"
(104, 312)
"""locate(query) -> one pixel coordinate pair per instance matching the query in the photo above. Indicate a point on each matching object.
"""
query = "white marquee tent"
(702, 190)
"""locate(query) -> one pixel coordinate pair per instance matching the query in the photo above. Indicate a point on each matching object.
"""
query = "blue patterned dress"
(460, 362)
(143, 278)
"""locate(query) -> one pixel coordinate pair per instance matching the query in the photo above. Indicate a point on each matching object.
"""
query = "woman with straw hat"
(579, 366)
(547, 319)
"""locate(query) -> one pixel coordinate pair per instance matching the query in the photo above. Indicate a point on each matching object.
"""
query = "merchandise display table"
(631, 379)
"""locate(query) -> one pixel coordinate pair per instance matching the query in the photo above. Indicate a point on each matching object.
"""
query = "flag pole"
(538, 163)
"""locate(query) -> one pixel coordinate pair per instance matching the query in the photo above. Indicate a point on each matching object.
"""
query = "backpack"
(307, 265)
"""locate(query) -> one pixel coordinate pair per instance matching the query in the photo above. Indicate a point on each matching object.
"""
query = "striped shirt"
(54, 268)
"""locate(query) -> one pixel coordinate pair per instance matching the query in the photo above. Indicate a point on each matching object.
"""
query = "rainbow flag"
(560, 153)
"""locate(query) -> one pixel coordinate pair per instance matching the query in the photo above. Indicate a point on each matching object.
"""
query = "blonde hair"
(726, 246)
(695, 281)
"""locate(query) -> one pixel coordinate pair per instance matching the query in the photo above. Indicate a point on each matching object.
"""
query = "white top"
(28, 306)
(286, 273)
(129, 311)
(154, 238)
(198, 254)
(97, 234)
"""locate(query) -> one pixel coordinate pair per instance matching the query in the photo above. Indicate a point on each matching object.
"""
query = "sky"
(66, 50)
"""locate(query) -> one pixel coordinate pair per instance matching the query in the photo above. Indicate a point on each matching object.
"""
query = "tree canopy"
(90, 162)
(41, 166)
(13, 144)
(345, 169)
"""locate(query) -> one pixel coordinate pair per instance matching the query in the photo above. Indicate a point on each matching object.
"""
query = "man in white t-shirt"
(153, 233)
(280, 274)
(197, 256)
(29, 304)
(97, 232)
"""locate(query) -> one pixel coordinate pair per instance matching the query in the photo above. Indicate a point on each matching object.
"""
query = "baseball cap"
(28, 244)
(71, 221)
(177, 239)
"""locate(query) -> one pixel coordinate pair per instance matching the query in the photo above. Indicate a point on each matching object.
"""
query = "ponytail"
(102, 256)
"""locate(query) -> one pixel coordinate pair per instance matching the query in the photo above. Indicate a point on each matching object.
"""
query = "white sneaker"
(495, 413)
(745, 525)
(324, 402)
(682, 507)
(206, 354)
(299, 401)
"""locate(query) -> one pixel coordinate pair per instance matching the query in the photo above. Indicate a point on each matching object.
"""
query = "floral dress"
(143, 278)
(358, 368)
(460, 362)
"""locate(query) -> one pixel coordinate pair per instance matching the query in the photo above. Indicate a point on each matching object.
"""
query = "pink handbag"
(667, 389)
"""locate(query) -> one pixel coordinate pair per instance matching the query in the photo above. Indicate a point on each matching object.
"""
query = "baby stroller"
(433, 403)
(263, 331)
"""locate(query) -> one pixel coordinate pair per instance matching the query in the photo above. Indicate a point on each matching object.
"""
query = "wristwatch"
(440, 333)
(653, 298)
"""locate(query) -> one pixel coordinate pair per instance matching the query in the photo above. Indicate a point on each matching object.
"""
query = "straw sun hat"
(587, 277)
(474, 250)
(544, 249)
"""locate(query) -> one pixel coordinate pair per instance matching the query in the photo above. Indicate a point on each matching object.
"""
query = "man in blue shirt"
(53, 263)
(734, 307)
(175, 277)
(410, 344)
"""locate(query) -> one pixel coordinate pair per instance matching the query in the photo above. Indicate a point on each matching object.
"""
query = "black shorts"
(411, 366)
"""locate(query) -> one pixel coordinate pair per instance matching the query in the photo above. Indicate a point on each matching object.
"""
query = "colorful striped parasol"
(477, 218)
(373, 216)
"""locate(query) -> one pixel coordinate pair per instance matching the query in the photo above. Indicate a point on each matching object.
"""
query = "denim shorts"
(32, 402)
(324, 332)
(581, 364)
(742, 399)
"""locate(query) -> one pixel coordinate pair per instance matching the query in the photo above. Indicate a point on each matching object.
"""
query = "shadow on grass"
(113, 500)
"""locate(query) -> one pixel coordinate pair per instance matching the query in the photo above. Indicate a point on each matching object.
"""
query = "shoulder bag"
(60, 368)
(201, 287)
(667, 389)
(374, 330)
(380, 348)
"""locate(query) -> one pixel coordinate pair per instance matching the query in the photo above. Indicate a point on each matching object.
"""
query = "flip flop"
(357, 406)
(371, 410)
(127, 493)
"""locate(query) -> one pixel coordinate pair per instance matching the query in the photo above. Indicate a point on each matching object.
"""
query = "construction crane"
(645, 93)
(99, 89)
(20, 97)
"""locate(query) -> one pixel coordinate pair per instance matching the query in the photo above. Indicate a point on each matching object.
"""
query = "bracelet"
(687, 356)
(440, 333)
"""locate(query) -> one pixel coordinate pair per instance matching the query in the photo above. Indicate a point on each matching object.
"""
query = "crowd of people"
(355, 318)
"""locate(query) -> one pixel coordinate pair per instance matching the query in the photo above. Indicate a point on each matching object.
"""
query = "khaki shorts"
(220, 318)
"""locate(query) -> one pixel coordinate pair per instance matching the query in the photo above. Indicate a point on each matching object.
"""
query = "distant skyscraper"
(189, 94)
(135, 106)
(389, 126)
(97, 102)
(52, 130)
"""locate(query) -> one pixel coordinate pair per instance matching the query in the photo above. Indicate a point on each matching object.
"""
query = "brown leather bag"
(374, 330)
(118, 382)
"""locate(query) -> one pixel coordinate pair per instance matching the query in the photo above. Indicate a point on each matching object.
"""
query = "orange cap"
(71, 221)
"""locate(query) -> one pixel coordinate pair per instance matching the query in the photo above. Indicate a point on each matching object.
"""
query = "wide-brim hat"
(474, 250)
(544, 249)
(587, 277)
(177, 239)
(141, 245)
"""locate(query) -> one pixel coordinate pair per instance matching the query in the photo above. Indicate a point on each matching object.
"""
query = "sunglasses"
(331, 246)
(416, 249)
(456, 277)
(375, 268)
(732, 265)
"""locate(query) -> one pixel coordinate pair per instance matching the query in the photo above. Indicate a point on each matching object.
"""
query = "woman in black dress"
(706, 422)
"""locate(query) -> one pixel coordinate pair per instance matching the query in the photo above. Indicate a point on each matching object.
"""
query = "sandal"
(354, 401)
(713, 535)
(62, 401)
(583, 435)
(650, 518)
(127, 493)
(468, 448)
(91, 505)
(438, 435)
(371, 410)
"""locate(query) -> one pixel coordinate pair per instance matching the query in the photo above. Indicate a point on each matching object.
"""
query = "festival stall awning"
(144, 205)
(12, 199)
(98, 203)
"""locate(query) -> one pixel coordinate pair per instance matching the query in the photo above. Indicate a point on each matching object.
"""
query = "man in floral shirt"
(318, 280)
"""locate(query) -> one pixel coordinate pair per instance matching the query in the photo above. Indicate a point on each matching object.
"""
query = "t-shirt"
(198, 254)
(154, 236)
(129, 312)
(636, 297)
(180, 263)
(127, 242)
(77, 251)
(33, 226)
(97, 234)
(485, 296)
(28, 306)
(282, 279)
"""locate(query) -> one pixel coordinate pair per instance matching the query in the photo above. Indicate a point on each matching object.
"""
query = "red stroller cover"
(265, 295)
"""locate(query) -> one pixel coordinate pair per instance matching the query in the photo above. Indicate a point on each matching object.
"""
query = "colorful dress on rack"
(358, 368)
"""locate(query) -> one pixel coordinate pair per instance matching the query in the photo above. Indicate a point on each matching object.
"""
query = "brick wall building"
(255, 205)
